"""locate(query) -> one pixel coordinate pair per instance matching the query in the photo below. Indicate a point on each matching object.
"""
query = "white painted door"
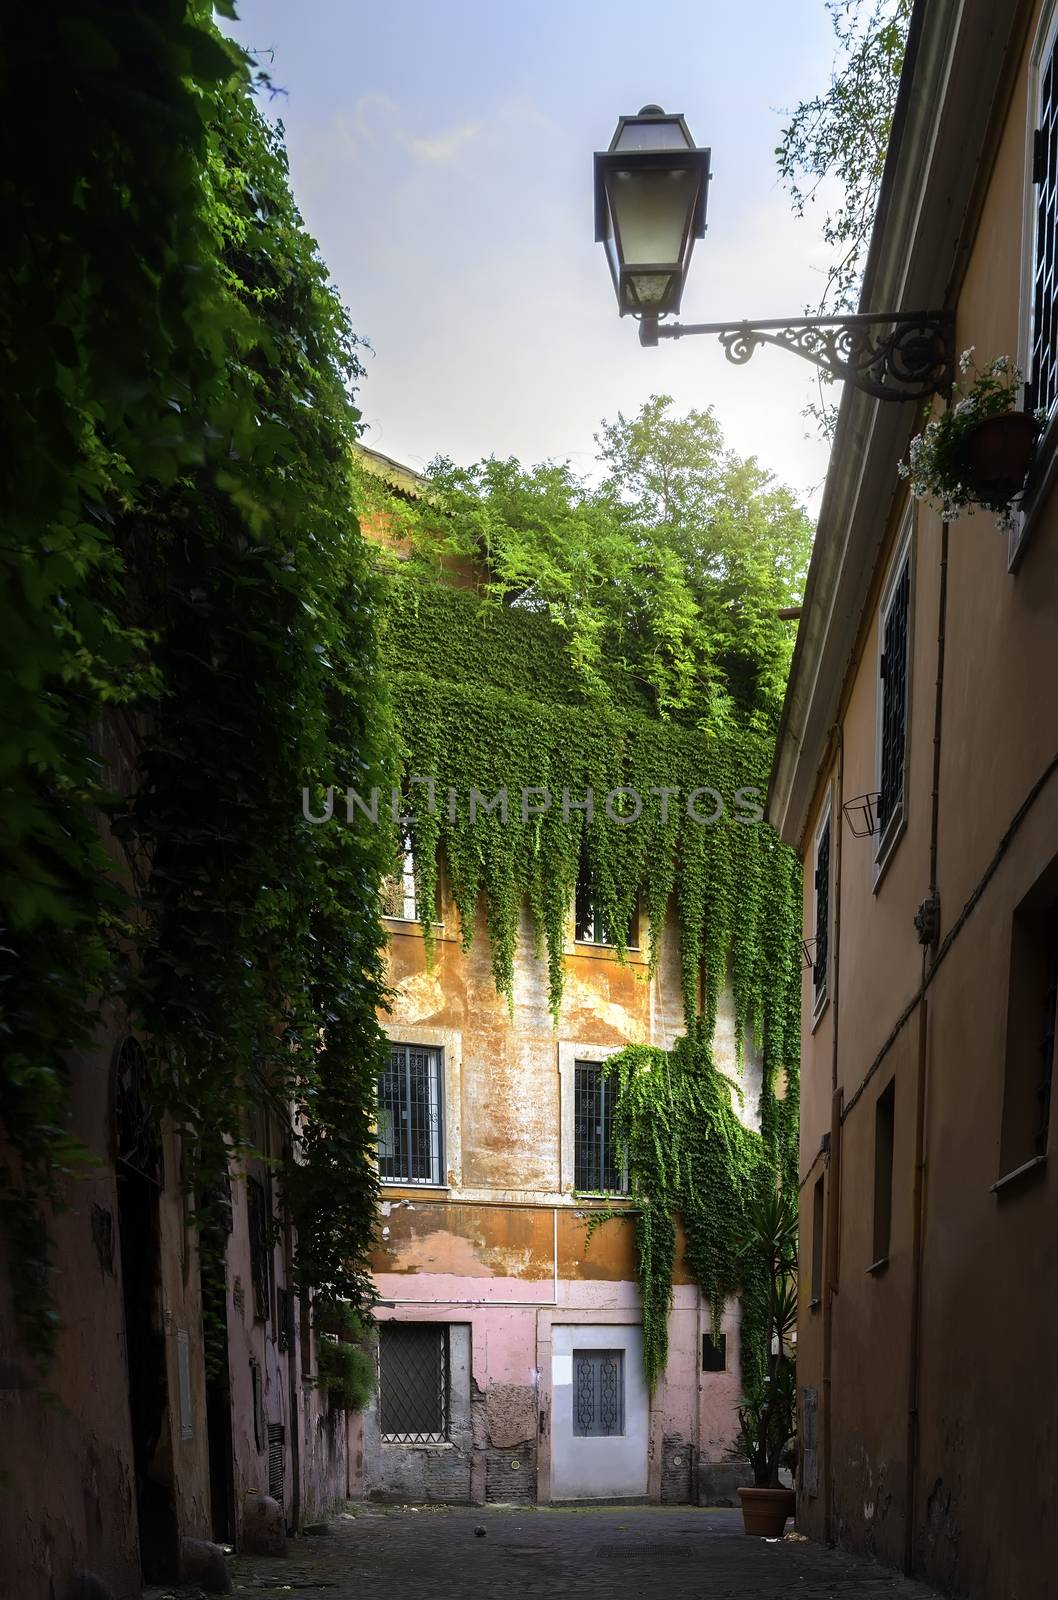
(600, 1413)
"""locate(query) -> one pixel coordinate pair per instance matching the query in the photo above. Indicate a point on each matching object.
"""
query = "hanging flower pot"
(997, 455)
(979, 450)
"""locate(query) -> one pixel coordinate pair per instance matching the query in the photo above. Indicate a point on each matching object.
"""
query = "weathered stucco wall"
(501, 1253)
(987, 1425)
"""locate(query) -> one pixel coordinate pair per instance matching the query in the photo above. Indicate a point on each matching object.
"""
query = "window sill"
(430, 1444)
(634, 954)
(1020, 1178)
(405, 924)
(876, 1268)
(410, 1188)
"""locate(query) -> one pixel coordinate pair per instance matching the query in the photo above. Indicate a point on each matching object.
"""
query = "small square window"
(413, 1382)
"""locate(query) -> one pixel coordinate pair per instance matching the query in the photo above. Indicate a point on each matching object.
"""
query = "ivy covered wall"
(487, 699)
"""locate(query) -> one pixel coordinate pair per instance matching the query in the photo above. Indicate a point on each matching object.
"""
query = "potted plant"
(978, 451)
(767, 1415)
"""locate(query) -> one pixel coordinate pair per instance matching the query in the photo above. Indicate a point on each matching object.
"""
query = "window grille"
(598, 1393)
(413, 1382)
(596, 1168)
(822, 939)
(410, 1120)
(257, 1221)
(1050, 1016)
(276, 1460)
(398, 890)
(592, 925)
(1044, 358)
(893, 668)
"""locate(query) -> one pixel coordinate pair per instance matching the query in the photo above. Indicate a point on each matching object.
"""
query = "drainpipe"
(834, 1207)
(918, 1203)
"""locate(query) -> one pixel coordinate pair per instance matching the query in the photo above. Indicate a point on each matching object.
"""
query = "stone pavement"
(612, 1553)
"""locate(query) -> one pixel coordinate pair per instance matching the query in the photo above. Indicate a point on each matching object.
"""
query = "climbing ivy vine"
(187, 629)
(487, 699)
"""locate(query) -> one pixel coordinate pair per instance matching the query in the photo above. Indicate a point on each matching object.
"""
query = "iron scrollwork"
(902, 356)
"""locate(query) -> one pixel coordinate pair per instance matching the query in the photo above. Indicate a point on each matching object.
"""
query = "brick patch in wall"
(676, 1470)
(510, 1475)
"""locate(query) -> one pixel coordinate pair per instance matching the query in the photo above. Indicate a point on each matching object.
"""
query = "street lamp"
(650, 189)
(650, 193)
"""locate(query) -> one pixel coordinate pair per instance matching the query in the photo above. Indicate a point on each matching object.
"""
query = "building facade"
(916, 773)
(509, 1341)
(509, 1329)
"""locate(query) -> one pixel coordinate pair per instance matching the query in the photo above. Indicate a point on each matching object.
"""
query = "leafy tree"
(666, 576)
(843, 134)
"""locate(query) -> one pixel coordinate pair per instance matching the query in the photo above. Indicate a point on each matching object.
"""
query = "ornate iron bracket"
(900, 355)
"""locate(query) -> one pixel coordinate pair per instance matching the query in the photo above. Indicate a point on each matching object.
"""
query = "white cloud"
(444, 146)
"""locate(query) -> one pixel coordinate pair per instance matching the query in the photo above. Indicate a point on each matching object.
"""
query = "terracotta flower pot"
(997, 454)
(764, 1511)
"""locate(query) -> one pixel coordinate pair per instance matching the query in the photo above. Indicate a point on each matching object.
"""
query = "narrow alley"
(436, 1553)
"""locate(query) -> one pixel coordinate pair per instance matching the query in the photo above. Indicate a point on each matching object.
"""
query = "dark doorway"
(214, 1230)
(139, 1176)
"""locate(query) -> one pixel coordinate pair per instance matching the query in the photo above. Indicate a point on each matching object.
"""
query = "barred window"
(821, 881)
(410, 1116)
(892, 667)
(597, 1168)
(398, 889)
(598, 1393)
(1044, 349)
(413, 1382)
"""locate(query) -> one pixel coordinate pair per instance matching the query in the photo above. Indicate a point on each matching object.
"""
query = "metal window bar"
(595, 1162)
(413, 1382)
(1050, 1017)
(1044, 386)
(410, 1117)
(276, 1460)
(894, 699)
(822, 938)
(598, 1393)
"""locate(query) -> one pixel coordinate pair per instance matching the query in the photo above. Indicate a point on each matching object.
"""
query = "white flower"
(966, 360)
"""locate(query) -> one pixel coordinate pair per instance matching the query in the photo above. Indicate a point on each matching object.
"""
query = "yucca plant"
(767, 1416)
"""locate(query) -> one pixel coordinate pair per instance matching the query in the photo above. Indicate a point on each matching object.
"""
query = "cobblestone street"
(434, 1554)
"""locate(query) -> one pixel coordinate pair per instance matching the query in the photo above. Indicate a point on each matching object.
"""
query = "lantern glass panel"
(664, 134)
(649, 291)
(652, 214)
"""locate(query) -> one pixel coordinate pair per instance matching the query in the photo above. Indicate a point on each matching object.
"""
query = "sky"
(441, 154)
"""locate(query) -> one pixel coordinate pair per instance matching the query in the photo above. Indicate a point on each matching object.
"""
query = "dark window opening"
(893, 669)
(822, 895)
(259, 1224)
(818, 1213)
(1031, 1018)
(1044, 355)
(598, 1393)
(413, 1382)
(597, 1168)
(714, 1353)
(593, 926)
(410, 1116)
(884, 1134)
